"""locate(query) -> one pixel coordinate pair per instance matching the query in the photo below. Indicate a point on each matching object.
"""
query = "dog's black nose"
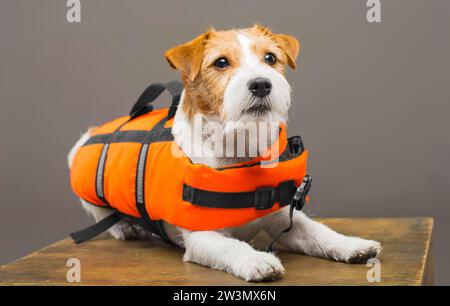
(260, 87)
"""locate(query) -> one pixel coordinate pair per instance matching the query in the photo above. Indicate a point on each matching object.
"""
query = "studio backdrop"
(371, 100)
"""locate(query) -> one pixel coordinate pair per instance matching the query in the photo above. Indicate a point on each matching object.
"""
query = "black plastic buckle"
(262, 201)
(299, 199)
(187, 193)
(296, 145)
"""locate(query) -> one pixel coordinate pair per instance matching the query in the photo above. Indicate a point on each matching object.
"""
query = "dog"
(237, 76)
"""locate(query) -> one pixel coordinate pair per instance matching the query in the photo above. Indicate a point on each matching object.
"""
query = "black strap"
(136, 136)
(152, 92)
(297, 202)
(96, 229)
(155, 227)
(262, 198)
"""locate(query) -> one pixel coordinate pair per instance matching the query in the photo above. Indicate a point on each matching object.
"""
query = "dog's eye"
(270, 58)
(221, 63)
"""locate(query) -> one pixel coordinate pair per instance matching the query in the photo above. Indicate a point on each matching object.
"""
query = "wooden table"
(405, 260)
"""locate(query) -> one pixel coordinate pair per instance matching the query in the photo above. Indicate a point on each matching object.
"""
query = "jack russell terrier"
(237, 76)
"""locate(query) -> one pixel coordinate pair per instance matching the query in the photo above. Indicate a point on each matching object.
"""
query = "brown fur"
(204, 83)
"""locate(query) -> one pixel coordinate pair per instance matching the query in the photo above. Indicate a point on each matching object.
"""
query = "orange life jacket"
(129, 165)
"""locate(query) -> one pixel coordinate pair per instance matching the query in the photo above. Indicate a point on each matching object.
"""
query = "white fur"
(237, 95)
(228, 250)
(222, 252)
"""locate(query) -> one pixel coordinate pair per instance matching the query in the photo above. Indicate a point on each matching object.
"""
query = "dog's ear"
(290, 47)
(288, 44)
(187, 57)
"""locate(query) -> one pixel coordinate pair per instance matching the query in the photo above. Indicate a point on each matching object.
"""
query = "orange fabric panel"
(145, 122)
(163, 201)
(110, 126)
(236, 180)
(83, 173)
(120, 177)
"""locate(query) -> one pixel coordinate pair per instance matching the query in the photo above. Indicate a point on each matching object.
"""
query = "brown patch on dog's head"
(286, 47)
(205, 82)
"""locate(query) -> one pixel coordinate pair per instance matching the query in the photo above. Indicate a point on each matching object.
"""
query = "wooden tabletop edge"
(430, 222)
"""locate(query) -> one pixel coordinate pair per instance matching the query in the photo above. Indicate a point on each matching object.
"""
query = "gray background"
(372, 101)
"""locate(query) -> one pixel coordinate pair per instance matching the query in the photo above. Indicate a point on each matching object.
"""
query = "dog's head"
(236, 75)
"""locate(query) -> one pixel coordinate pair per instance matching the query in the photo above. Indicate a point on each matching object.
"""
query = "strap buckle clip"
(264, 198)
(302, 191)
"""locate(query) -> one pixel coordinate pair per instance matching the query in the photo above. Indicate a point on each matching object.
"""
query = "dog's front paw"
(259, 266)
(355, 250)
